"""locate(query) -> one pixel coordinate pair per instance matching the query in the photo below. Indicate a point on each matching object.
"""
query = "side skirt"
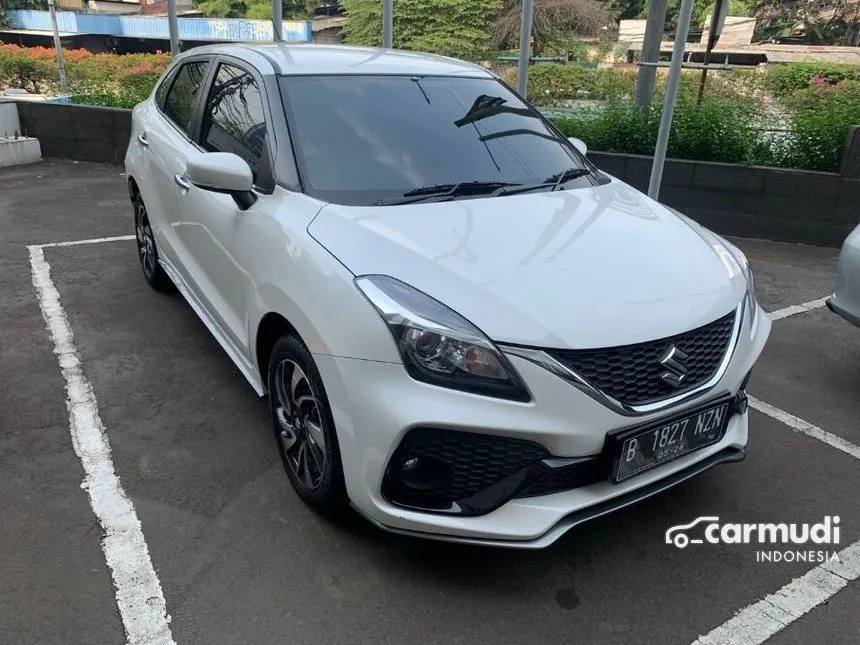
(245, 366)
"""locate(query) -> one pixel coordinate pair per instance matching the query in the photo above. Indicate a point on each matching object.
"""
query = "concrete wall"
(9, 123)
(77, 131)
(749, 201)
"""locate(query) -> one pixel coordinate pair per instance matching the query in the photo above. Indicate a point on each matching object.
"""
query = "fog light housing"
(423, 473)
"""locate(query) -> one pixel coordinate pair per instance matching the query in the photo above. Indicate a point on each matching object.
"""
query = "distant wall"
(749, 201)
(77, 132)
(752, 201)
(212, 29)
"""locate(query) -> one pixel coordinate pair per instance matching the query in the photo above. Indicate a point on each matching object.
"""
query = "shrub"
(33, 72)
(786, 79)
(820, 124)
(557, 84)
(121, 81)
(617, 126)
(717, 130)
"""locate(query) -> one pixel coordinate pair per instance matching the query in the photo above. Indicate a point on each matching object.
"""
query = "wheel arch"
(272, 326)
(133, 188)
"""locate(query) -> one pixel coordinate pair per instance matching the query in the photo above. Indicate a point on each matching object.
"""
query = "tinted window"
(366, 138)
(182, 97)
(234, 121)
(161, 92)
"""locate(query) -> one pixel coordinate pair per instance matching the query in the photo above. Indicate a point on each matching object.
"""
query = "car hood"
(583, 268)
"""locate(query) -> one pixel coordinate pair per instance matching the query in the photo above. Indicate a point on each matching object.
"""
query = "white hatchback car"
(466, 330)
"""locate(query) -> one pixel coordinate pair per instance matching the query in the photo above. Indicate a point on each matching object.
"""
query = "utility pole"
(277, 20)
(58, 49)
(669, 100)
(525, 48)
(654, 26)
(173, 26)
(388, 23)
(718, 19)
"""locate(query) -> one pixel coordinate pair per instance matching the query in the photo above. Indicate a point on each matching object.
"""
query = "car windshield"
(365, 140)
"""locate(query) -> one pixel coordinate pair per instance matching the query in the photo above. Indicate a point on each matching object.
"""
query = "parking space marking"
(95, 240)
(799, 425)
(785, 312)
(138, 591)
(758, 622)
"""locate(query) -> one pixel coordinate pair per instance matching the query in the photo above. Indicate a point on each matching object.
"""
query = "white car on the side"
(465, 330)
(846, 300)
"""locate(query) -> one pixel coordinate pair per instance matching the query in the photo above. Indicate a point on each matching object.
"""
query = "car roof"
(303, 59)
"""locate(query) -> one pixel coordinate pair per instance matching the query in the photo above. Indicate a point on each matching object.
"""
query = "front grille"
(473, 462)
(631, 374)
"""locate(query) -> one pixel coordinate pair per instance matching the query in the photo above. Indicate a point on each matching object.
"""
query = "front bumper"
(726, 455)
(376, 404)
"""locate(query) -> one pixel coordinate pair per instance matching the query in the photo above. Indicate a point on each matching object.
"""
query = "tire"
(304, 428)
(147, 252)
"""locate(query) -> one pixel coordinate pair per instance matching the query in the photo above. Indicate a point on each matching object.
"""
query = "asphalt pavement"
(241, 560)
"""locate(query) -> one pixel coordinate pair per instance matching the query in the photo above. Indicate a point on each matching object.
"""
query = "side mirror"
(579, 144)
(222, 172)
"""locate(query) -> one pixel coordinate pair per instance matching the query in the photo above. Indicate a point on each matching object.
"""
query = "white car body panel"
(846, 300)
(500, 263)
(592, 267)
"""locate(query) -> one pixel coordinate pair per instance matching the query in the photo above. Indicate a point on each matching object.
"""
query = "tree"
(553, 20)
(256, 9)
(824, 21)
(702, 9)
(629, 9)
(454, 27)
(222, 8)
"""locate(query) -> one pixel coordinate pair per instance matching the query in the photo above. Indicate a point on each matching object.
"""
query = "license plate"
(640, 449)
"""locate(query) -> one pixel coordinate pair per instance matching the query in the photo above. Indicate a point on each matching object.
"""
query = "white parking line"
(779, 314)
(95, 240)
(138, 592)
(799, 425)
(758, 622)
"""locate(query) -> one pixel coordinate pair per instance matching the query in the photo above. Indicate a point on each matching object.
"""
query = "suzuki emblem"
(676, 371)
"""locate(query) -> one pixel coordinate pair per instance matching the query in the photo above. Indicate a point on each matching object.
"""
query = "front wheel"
(147, 252)
(304, 427)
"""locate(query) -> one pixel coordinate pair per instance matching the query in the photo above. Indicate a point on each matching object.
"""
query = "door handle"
(142, 140)
(179, 180)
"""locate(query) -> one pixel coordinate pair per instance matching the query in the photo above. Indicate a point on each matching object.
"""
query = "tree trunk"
(647, 78)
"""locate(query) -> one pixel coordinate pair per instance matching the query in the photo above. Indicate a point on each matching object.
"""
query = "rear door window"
(181, 99)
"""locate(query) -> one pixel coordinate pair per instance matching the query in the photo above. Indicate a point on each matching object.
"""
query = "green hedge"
(556, 83)
(718, 130)
(785, 79)
(727, 129)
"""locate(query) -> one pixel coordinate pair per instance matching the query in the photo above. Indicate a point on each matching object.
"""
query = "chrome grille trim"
(543, 359)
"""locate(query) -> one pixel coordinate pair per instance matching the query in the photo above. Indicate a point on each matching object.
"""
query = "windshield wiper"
(553, 183)
(445, 192)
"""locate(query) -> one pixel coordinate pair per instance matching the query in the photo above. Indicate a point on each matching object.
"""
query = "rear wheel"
(304, 427)
(147, 251)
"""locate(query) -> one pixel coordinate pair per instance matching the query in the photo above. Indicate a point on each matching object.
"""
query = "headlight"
(438, 345)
